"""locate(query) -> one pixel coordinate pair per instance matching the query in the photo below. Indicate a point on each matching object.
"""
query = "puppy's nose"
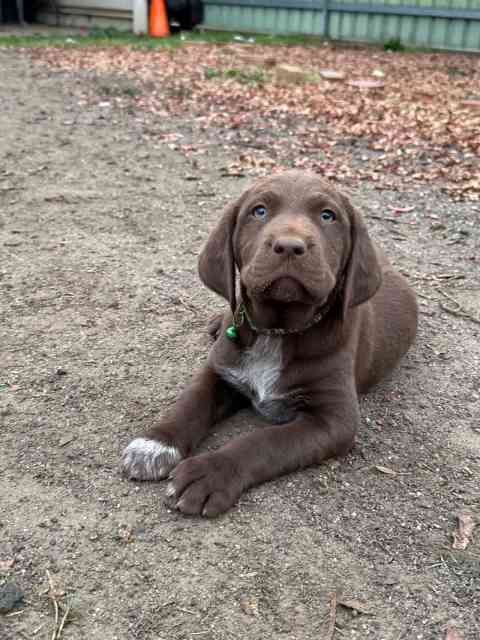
(290, 246)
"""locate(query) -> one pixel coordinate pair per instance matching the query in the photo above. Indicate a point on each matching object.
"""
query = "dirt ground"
(102, 322)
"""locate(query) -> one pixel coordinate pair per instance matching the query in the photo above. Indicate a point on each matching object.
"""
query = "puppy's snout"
(289, 246)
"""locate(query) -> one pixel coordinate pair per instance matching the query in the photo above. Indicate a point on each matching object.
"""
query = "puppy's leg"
(204, 402)
(210, 483)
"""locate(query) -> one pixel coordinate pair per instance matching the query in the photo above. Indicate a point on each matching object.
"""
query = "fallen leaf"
(463, 536)
(290, 73)
(6, 565)
(366, 84)
(402, 209)
(331, 74)
(249, 605)
(453, 634)
(475, 104)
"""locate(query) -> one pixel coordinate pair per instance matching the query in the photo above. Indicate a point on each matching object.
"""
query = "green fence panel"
(439, 24)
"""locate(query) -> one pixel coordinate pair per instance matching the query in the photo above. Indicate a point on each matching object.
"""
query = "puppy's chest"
(257, 373)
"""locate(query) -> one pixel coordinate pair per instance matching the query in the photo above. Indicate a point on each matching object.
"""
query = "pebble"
(10, 595)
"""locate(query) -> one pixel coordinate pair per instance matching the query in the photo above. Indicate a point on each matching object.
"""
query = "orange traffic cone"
(158, 23)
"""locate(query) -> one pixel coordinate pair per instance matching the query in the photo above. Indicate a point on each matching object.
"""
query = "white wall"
(88, 13)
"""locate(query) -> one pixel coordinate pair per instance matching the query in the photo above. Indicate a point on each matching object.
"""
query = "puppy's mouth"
(287, 290)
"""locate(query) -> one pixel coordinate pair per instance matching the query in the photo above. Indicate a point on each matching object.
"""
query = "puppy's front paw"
(146, 459)
(207, 484)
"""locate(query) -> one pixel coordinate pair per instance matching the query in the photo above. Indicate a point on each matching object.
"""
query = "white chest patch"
(258, 370)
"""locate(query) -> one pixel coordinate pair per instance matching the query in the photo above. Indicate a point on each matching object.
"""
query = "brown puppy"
(322, 316)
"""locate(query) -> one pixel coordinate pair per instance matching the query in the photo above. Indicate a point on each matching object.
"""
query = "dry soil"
(103, 321)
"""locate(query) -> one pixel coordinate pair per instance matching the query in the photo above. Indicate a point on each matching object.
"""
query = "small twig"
(431, 277)
(398, 234)
(450, 276)
(62, 623)
(333, 617)
(448, 296)
(54, 597)
(50, 582)
(55, 604)
(169, 602)
(422, 295)
(35, 631)
(442, 560)
(375, 217)
(459, 310)
(185, 610)
(188, 305)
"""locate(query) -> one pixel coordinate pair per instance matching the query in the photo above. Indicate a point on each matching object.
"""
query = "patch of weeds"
(253, 76)
(114, 37)
(463, 561)
(94, 37)
(246, 76)
(208, 35)
(394, 44)
(119, 90)
(108, 33)
(178, 92)
(211, 72)
(456, 71)
(131, 91)
(312, 77)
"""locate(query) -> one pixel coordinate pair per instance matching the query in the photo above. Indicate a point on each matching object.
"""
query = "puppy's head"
(295, 240)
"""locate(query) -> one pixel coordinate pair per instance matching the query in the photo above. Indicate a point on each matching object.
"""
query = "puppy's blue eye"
(328, 216)
(259, 212)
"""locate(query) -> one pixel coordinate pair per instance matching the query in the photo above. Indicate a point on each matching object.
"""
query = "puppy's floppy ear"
(363, 275)
(216, 265)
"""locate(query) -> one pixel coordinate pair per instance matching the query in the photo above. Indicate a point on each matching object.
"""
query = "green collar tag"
(238, 319)
(231, 332)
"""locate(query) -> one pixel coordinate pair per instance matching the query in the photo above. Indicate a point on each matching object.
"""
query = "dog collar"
(241, 315)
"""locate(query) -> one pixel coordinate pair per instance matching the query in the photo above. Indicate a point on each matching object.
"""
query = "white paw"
(170, 492)
(146, 459)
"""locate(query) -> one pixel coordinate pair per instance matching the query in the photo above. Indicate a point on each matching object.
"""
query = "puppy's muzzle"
(286, 290)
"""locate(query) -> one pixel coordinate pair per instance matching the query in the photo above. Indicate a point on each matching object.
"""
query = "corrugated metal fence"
(440, 24)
